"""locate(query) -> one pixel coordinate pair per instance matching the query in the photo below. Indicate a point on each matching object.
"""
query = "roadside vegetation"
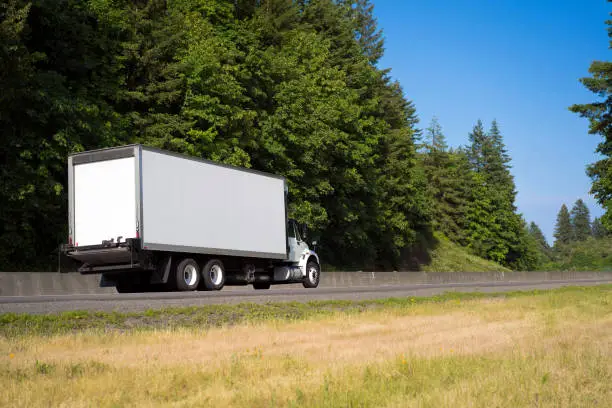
(588, 255)
(451, 257)
(288, 87)
(549, 349)
(580, 244)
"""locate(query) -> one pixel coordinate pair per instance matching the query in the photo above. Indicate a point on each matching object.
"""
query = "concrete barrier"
(353, 279)
(53, 283)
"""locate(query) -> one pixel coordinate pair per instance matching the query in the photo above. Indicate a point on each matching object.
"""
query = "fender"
(306, 256)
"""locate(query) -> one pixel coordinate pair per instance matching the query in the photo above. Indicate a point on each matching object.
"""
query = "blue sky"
(517, 61)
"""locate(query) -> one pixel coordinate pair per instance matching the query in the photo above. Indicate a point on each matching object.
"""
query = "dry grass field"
(551, 349)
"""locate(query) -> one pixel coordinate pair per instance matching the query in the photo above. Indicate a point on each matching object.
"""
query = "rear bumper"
(107, 256)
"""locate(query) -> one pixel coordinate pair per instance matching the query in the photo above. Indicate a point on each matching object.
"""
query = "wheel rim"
(216, 274)
(190, 275)
(313, 274)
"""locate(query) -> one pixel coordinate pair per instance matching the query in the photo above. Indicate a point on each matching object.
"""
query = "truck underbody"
(132, 269)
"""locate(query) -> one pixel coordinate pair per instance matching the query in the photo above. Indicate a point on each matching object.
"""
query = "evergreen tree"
(479, 144)
(523, 254)
(369, 37)
(599, 115)
(447, 184)
(563, 228)
(498, 164)
(57, 77)
(538, 235)
(598, 229)
(542, 245)
(154, 86)
(581, 221)
(435, 139)
(495, 230)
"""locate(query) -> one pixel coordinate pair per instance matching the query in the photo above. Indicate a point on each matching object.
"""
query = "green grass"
(450, 257)
(21, 324)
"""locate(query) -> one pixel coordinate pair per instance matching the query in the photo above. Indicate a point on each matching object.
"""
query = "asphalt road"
(143, 301)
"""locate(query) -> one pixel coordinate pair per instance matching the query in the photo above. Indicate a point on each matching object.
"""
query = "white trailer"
(148, 219)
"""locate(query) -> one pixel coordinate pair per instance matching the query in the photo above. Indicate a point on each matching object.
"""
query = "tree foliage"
(563, 228)
(599, 230)
(599, 114)
(288, 87)
(581, 221)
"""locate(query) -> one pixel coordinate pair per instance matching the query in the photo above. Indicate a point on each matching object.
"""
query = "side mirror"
(304, 231)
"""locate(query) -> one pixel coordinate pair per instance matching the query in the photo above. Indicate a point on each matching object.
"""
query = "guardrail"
(53, 283)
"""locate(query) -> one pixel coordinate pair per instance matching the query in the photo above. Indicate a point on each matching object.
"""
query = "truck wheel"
(261, 285)
(313, 275)
(187, 274)
(213, 275)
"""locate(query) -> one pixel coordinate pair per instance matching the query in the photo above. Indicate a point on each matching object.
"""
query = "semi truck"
(147, 219)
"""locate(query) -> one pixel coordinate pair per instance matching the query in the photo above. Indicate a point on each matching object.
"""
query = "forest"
(291, 87)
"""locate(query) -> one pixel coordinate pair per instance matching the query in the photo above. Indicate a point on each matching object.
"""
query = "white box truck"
(147, 219)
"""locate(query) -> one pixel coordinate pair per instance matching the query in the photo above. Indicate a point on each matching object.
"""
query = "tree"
(563, 228)
(478, 145)
(542, 245)
(495, 230)
(434, 137)
(369, 37)
(538, 235)
(581, 221)
(448, 183)
(598, 229)
(58, 74)
(599, 114)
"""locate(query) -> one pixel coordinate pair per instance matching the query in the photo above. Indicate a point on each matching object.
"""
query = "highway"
(142, 301)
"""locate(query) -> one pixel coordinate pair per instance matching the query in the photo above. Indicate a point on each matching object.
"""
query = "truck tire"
(313, 275)
(261, 285)
(213, 275)
(187, 275)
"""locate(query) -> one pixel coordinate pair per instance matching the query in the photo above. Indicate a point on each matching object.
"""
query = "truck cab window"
(297, 232)
(290, 229)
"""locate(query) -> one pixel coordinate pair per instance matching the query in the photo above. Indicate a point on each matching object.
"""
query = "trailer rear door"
(104, 201)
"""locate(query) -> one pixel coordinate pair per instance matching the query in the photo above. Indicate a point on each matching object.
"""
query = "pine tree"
(367, 33)
(600, 122)
(498, 164)
(154, 83)
(598, 229)
(447, 185)
(478, 145)
(542, 245)
(538, 235)
(581, 221)
(434, 138)
(563, 229)
(495, 230)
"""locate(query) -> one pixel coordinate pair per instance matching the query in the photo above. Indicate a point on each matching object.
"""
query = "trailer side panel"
(197, 206)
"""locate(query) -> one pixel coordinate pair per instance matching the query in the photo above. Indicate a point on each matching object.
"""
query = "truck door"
(296, 245)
